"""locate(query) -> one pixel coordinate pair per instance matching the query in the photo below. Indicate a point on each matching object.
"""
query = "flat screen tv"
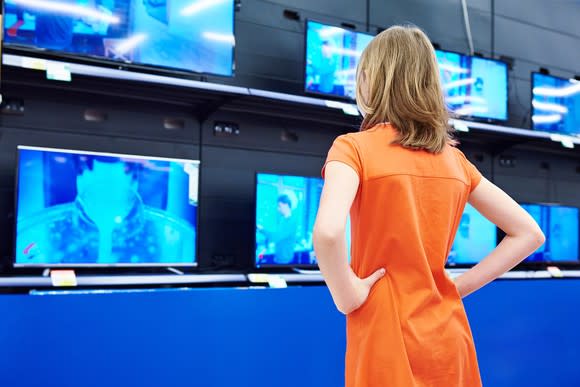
(555, 104)
(178, 36)
(286, 208)
(474, 87)
(77, 208)
(332, 55)
(476, 237)
(560, 226)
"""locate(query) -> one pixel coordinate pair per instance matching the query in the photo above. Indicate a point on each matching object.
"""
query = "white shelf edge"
(347, 108)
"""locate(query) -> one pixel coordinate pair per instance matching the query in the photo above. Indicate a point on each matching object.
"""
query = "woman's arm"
(340, 187)
(523, 237)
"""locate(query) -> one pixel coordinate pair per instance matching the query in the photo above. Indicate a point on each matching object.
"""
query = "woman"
(406, 186)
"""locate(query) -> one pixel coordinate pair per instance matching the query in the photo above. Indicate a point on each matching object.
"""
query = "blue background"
(525, 334)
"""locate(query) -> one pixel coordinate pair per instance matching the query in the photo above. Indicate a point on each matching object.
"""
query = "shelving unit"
(242, 97)
(206, 97)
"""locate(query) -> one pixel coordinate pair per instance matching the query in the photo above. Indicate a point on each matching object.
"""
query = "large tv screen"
(182, 35)
(476, 237)
(474, 87)
(78, 208)
(332, 55)
(560, 226)
(555, 104)
(286, 208)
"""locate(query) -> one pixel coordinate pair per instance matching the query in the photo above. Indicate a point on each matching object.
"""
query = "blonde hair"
(401, 75)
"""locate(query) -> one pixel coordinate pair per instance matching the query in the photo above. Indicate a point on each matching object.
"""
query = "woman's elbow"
(535, 237)
(539, 237)
(325, 233)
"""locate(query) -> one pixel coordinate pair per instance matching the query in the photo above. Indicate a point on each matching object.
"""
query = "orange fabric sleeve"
(345, 150)
(472, 172)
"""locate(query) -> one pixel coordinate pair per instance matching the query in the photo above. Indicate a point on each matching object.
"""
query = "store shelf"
(126, 280)
(251, 94)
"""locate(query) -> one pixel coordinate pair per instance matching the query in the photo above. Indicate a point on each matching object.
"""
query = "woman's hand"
(359, 292)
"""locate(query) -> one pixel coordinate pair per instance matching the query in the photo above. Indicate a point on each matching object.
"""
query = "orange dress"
(413, 330)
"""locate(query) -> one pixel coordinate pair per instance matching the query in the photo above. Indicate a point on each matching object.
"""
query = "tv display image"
(555, 104)
(332, 55)
(181, 35)
(476, 237)
(560, 226)
(77, 208)
(474, 86)
(286, 208)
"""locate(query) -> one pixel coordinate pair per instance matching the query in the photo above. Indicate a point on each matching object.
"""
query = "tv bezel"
(47, 54)
(532, 126)
(486, 119)
(16, 264)
(305, 62)
(255, 264)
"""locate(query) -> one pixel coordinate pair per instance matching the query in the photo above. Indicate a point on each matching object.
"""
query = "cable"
(368, 16)
(492, 28)
(467, 26)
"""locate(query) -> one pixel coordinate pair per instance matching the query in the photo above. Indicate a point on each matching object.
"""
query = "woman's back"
(405, 186)
(404, 217)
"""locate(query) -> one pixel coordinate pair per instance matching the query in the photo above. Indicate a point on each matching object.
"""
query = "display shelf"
(126, 280)
(564, 140)
(155, 280)
(243, 97)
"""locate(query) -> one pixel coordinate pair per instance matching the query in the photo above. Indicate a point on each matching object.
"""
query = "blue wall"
(526, 334)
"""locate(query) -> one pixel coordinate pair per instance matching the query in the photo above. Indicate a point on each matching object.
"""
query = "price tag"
(63, 278)
(555, 271)
(274, 281)
(566, 141)
(258, 278)
(460, 126)
(33, 63)
(56, 71)
(277, 282)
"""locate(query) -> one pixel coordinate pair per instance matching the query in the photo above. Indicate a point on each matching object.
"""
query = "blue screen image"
(84, 208)
(286, 208)
(560, 226)
(186, 35)
(555, 104)
(476, 237)
(332, 55)
(474, 86)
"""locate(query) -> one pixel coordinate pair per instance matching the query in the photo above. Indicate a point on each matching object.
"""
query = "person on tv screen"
(56, 30)
(327, 68)
(284, 236)
(106, 223)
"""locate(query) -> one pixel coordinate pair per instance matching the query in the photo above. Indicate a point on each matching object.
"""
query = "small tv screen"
(182, 35)
(286, 209)
(476, 237)
(555, 104)
(560, 226)
(332, 55)
(474, 86)
(77, 208)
